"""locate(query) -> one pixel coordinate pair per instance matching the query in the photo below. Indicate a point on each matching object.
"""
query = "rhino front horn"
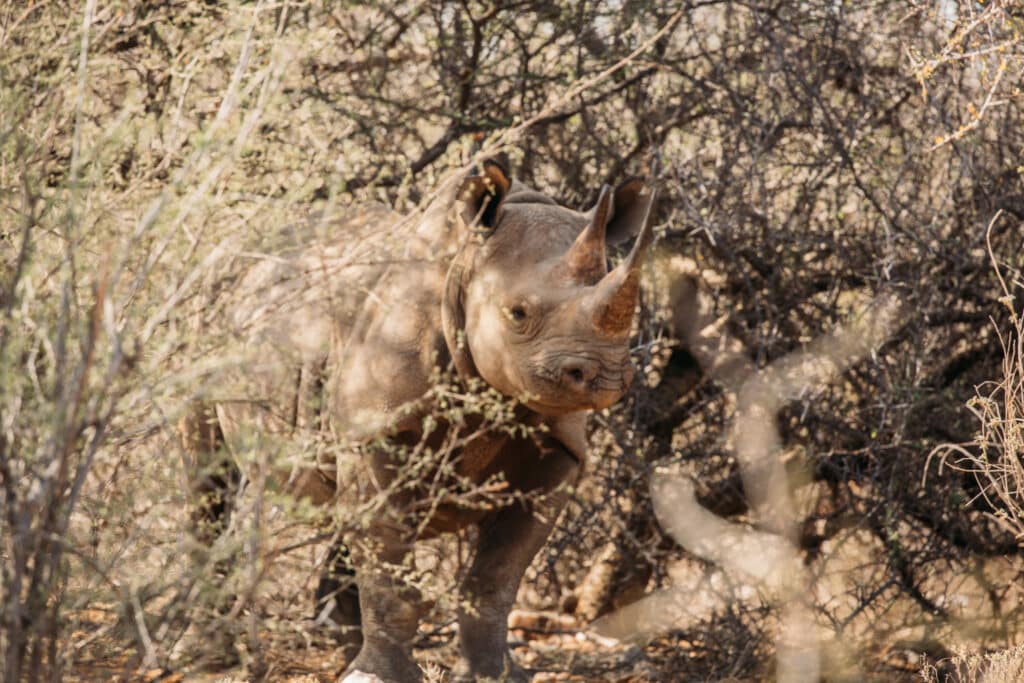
(586, 258)
(617, 292)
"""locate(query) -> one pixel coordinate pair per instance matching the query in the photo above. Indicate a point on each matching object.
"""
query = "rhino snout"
(591, 381)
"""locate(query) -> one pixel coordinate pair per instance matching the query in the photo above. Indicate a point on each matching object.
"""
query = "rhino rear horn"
(616, 294)
(482, 195)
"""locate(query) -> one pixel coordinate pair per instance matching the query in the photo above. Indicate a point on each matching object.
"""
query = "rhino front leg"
(508, 542)
(390, 611)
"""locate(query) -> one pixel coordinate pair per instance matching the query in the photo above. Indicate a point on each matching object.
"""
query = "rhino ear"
(481, 195)
(630, 209)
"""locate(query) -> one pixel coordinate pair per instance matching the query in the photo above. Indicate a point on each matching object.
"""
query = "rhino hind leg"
(337, 599)
(213, 480)
(213, 476)
(509, 539)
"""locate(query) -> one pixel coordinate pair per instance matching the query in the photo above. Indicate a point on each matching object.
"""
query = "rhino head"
(529, 304)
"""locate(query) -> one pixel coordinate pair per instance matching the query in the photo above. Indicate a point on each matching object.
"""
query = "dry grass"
(996, 456)
(994, 667)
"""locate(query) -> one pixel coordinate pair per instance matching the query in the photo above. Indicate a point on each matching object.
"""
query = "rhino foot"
(361, 677)
(508, 672)
(387, 665)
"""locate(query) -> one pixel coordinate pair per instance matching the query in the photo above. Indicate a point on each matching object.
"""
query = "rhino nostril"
(575, 375)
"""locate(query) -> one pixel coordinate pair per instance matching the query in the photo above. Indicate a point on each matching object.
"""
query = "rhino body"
(344, 341)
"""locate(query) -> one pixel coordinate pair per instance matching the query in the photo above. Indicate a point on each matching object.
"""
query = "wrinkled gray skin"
(497, 280)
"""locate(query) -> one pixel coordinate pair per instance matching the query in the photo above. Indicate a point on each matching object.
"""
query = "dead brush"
(994, 458)
(995, 667)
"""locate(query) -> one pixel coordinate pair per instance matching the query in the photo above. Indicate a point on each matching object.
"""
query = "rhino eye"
(517, 313)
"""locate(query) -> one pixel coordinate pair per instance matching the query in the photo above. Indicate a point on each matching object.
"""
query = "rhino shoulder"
(386, 361)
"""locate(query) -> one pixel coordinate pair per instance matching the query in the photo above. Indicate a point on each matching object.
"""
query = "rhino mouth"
(566, 407)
